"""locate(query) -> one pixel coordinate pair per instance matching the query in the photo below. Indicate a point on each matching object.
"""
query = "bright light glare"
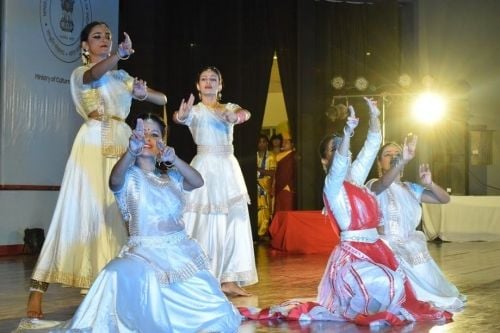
(429, 108)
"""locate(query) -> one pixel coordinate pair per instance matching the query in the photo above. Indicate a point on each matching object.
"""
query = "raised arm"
(397, 165)
(433, 193)
(340, 164)
(102, 67)
(182, 115)
(362, 164)
(192, 178)
(136, 142)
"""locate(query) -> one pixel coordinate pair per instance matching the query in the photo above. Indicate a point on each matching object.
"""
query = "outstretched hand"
(125, 48)
(372, 106)
(425, 174)
(140, 89)
(229, 116)
(409, 147)
(185, 107)
(351, 123)
(136, 140)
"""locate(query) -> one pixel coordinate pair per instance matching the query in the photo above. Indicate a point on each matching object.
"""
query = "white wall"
(24, 209)
(40, 46)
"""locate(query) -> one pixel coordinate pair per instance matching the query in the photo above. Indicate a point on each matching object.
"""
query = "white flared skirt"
(217, 217)
(86, 230)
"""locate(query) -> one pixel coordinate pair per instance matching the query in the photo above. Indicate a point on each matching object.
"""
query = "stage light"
(361, 83)
(338, 82)
(404, 80)
(429, 108)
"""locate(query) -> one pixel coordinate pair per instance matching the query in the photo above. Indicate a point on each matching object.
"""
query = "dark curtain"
(349, 40)
(174, 40)
(284, 30)
(357, 40)
(314, 39)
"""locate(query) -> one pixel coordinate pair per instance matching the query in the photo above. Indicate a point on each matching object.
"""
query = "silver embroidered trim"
(198, 263)
(217, 208)
(242, 278)
(157, 241)
(159, 180)
(216, 150)
(419, 258)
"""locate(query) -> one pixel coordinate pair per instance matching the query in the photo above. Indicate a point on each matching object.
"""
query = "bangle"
(122, 58)
(169, 165)
(132, 153)
(347, 132)
(242, 116)
(143, 98)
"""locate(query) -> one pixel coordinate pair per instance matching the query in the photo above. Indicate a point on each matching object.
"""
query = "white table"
(464, 218)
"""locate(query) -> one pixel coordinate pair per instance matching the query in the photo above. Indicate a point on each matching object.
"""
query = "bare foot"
(232, 289)
(35, 305)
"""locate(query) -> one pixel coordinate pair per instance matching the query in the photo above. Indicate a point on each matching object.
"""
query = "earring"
(85, 56)
(219, 96)
(379, 170)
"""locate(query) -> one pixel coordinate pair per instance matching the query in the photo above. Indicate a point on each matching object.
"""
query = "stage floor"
(472, 266)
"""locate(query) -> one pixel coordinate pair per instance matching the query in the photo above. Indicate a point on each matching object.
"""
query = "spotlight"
(338, 82)
(361, 83)
(404, 80)
(429, 108)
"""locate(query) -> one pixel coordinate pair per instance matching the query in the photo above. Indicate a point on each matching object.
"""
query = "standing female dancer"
(217, 213)
(86, 230)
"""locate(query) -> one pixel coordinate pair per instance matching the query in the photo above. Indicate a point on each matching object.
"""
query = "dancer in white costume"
(86, 230)
(160, 282)
(401, 211)
(217, 213)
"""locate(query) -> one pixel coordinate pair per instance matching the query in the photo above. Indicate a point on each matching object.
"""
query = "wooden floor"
(473, 266)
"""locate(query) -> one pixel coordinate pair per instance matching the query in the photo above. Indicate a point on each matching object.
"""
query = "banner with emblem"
(40, 47)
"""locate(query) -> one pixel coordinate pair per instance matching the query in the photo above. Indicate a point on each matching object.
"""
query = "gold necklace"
(214, 107)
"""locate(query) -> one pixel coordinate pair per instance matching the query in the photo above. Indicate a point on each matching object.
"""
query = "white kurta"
(217, 213)
(86, 230)
(401, 211)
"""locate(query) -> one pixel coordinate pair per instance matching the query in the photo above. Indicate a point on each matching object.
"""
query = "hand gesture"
(409, 147)
(136, 141)
(425, 174)
(352, 122)
(125, 48)
(372, 106)
(185, 108)
(167, 154)
(140, 89)
(229, 116)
